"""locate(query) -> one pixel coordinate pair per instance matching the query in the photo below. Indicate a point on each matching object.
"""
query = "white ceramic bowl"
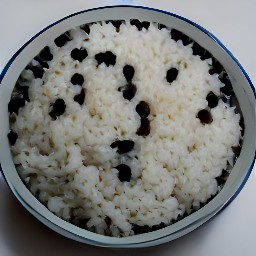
(242, 86)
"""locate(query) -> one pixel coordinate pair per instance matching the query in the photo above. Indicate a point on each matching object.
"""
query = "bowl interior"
(241, 85)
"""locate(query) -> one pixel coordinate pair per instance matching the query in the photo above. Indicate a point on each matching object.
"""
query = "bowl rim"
(210, 35)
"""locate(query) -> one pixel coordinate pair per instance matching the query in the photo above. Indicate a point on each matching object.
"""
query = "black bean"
(46, 54)
(52, 115)
(124, 146)
(77, 79)
(197, 49)
(59, 107)
(206, 55)
(128, 91)
(161, 26)
(137, 24)
(25, 95)
(116, 24)
(37, 71)
(157, 227)
(114, 144)
(12, 136)
(177, 35)
(100, 57)
(79, 54)
(62, 39)
(42, 62)
(212, 100)
(107, 57)
(128, 72)
(216, 68)
(144, 129)
(137, 229)
(172, 74)
(200, 51)
(124, 172)
(20, 87)
(110, 58)
(82, 223)
(86, 29)
(236, 150)
(205, 116)
(234, 103)
(145, 24)
(221, 180)
(143, 109)
(80, 97)
(224, 99)
(108, 221)
(15, 104)
(140, 25)
(241, 123)
(227, 89)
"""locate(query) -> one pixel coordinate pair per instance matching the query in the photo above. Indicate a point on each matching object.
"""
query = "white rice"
(69, 164)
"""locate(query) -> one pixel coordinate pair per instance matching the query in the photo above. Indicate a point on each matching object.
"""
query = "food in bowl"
(124, 127)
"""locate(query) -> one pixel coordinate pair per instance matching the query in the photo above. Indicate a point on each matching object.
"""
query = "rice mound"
(68, 162)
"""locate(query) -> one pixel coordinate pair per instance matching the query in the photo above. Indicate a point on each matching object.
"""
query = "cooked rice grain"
(66, 159)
